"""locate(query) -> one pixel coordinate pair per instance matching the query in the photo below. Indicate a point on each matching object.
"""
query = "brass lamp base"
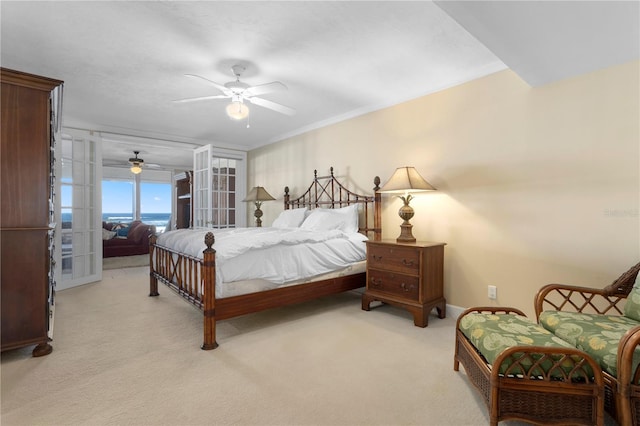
(406, 236)
(406, 212)
(258, 214)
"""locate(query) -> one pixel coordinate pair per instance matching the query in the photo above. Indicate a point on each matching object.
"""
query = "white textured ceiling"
(124, 62)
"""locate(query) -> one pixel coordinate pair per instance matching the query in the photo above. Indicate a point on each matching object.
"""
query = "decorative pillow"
(344, 219)
(632, 305)
(290, 218)
(107, 235)
(122, 232)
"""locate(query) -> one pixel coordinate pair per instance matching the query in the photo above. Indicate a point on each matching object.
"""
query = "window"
(117, 201)
(155, 204)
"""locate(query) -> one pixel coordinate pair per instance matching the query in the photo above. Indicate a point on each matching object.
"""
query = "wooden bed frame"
(194, 278)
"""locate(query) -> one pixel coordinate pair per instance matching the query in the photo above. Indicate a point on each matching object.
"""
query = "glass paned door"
(219, 185)
(202, 187)
(224, 193)
(79, 226)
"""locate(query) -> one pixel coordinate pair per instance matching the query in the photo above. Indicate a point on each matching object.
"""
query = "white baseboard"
(454, 311)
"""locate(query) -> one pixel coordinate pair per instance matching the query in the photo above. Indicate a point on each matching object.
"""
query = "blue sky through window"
(117, 197)
(156, 197)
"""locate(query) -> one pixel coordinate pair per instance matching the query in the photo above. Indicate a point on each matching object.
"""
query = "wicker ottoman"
(523, 372)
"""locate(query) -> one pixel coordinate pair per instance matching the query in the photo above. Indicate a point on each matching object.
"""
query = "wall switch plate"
(493, 292)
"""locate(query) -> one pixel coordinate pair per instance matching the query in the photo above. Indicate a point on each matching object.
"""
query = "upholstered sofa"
(604, 323)
(126, 239)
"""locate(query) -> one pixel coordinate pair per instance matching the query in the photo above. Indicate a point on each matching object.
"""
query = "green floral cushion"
(598, 335)
(632, 305)
(493, 333)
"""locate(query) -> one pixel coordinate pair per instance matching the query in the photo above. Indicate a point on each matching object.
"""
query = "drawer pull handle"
(407, 288)
(406, 262)
(376, 257)
(376, 282)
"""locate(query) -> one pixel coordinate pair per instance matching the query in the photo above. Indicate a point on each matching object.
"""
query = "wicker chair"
(622, 393)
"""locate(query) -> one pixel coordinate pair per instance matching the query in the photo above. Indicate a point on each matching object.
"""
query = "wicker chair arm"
(608, 300)
(626, 348)
(628, 379)
(560, 297)
(547, 364)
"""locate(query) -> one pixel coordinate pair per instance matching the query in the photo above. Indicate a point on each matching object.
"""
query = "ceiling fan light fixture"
(136, 163)
(237, 110)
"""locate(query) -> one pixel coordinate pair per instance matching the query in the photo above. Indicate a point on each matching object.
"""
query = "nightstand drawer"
(403, 285)
(394, 258)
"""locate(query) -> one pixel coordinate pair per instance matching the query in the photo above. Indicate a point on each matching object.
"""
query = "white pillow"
(344, 219)
(290, 218)
(107, 235)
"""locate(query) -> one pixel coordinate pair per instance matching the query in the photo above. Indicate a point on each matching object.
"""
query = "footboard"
(190, 277)
(195, 280)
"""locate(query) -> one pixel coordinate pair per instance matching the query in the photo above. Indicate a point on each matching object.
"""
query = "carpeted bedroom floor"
(123, 358)
(125, 262)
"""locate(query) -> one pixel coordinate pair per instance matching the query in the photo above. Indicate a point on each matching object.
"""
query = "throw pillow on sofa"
(632, 306)
(123, 232)
(107, 235)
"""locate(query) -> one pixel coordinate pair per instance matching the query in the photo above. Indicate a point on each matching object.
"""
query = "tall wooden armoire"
(28, 103)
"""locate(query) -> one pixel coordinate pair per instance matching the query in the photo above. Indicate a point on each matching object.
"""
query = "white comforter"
(277, 255)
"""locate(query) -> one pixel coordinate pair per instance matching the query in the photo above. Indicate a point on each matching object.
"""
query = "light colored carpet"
(125, 261)
(123, 358)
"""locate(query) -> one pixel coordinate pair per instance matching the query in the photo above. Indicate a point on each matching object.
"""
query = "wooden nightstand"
(406, 275)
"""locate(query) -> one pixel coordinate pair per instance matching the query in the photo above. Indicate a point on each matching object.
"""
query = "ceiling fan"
(136, 163)
(239, 92)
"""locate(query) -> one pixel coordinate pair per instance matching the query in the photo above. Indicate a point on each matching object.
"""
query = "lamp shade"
(135, 169)
(406, 179)
(258, 193)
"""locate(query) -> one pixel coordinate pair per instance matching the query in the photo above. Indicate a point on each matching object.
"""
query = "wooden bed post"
(377, 210)
(153, 281)
(209, 296)
(286, 198)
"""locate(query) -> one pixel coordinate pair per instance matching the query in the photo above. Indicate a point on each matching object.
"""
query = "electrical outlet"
(493, 292)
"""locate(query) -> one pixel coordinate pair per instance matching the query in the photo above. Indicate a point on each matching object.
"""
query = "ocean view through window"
(118, 203)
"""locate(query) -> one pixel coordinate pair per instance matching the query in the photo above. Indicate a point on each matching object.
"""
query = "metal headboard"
(328, 192)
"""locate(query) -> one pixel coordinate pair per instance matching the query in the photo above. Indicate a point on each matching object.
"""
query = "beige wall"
(535, 185)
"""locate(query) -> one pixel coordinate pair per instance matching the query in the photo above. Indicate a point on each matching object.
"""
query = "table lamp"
(406, 180)
(258, 195)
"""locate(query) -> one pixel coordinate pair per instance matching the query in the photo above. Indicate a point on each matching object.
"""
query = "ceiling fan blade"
(201, 98)
(272, 105)
(218, 86)
(262, 89)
